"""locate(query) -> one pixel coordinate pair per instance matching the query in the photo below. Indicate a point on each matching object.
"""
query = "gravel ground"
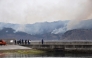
(11, 47)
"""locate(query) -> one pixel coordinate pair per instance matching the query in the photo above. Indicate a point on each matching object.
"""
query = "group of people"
(25, 41)
(22, 41)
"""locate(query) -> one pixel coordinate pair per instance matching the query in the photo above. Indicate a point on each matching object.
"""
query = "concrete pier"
(58, 44)
(66, 45)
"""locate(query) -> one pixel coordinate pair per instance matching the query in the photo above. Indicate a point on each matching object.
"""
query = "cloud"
(31, 11)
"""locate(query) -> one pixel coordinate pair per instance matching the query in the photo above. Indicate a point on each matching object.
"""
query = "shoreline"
(23, 51)
(39, 51)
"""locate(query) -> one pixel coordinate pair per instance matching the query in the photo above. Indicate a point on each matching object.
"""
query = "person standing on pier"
(15, 42)
(22, 41)
(25, 42)
(42, 41)
(28, 42)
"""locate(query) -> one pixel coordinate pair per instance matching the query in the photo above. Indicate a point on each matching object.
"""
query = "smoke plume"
(31, 11)
(86, 13)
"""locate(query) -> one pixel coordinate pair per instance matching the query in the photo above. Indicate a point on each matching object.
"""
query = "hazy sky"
(31, 11)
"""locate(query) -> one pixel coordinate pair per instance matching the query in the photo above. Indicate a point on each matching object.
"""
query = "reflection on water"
(55, 55)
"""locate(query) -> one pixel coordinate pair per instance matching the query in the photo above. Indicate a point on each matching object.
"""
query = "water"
(46, 55)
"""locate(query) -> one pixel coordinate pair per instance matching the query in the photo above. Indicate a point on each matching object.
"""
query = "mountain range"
(36, 28)
(44, 31)
(76, 34)
(9, 33)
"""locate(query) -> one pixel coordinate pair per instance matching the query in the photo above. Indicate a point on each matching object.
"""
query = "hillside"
(78, 34)
(36, 28)
(9, 33)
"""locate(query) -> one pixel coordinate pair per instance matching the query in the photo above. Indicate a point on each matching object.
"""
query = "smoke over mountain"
(84, 24)
(26, 12)
(80, 24)
(47, 27)
(86, 13)
(37, 28)
(31, 11)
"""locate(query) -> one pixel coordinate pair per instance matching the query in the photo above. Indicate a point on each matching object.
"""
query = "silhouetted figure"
(18, 42)
(28, 42)
(15, 42)
(22, 41)
(25, 41)
(42, 41)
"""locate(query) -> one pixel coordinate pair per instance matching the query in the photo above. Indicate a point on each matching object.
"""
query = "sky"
(32, 11)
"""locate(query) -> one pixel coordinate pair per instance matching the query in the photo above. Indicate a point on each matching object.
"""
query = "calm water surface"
(48, 55)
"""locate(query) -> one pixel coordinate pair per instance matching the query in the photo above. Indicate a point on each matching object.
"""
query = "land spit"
(12, 47)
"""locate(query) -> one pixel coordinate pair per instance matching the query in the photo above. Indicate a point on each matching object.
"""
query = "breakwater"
(84, 46)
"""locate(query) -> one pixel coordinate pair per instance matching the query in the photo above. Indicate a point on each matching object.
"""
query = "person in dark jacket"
(42, 41)
(15, 42)
(28, 42)
(22, 41)
(25, 41)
